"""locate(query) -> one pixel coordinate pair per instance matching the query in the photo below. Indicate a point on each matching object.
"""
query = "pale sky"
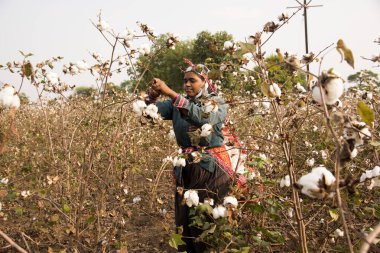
(62, 27)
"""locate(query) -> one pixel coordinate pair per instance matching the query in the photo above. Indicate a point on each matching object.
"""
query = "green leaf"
(265, 88)
(66, 208)
(365, 113)
(90, 220)
(345, 52)
(246, 48)
(176, 240)
(19, 211)
(25, 55)
(334, 214)
(27, 69)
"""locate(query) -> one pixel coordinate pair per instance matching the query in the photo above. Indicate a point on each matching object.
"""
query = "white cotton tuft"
(144, 49)
(82, 66)
(191, 198)
(206, 130)
(338, 233)
(102, 25)
(9, 97)
(311, 183)
(219, 212)
(179, 162)
(375, 182)
(332, 87)
(136, 199)
(52, 78)
(228, 45)
(300, 88)
(230, 201)
(138, 107)
(310, 162)
(368, 174)
(152, 111)
(285, 181)
(171, 134)
(209, 201)
(127, 35)
(4, 180)
(274, 90)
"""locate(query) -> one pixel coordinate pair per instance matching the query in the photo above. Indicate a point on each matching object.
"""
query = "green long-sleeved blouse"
(188, 116)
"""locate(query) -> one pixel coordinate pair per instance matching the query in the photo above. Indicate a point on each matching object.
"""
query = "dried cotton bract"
(9, 97)
(318, 183)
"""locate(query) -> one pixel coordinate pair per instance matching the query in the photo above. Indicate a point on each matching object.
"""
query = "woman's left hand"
(159, 85)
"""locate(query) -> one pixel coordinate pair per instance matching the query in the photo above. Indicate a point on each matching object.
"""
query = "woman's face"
(192, 84)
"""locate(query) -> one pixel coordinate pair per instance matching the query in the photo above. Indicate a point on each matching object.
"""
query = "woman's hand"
(160, 86)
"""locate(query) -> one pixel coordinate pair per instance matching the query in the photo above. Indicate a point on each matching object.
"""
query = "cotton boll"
(138, 107)
(52, 78)
(274, 90)
(230, 201)
(300, 88)
(285, 181)
(209, 201)
(310, 162)
(228, 45)
(332, 87)
(9, 97)
(219, 212)
(144, 49)
(338, 233)
(206, 130)
(82, 66)
(152, 111)
(374, 183)
(102, 25)
(171, 134)
(191, 198)
(317, 183)
(136, 199)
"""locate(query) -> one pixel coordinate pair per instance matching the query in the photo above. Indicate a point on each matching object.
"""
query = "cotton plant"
(319, 183)
(9, 97)
(332, 88)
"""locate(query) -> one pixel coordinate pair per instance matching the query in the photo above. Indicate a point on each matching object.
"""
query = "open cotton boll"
(230, 201)
(191, 198)
(228, 45)
(152, 111)
(316, 183)
(102, 25)
(128, 34)
(219, 212)
(52, 78)
(300, 88)
(206, 130)
(274, 90)
(138, 107)
(144, 49)
(375, 172)
(9, 97)
(332, 88)
(82, 66)
(285, 181)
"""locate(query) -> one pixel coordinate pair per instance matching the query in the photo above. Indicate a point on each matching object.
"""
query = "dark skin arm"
(160, 86)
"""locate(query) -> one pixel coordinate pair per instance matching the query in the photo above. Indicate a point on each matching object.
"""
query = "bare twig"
(12, 243)
(369, 239)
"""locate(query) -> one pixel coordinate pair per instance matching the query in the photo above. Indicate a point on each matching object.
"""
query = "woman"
(210, 173)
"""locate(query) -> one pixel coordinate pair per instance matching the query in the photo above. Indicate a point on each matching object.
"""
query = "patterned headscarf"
(202, 71)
